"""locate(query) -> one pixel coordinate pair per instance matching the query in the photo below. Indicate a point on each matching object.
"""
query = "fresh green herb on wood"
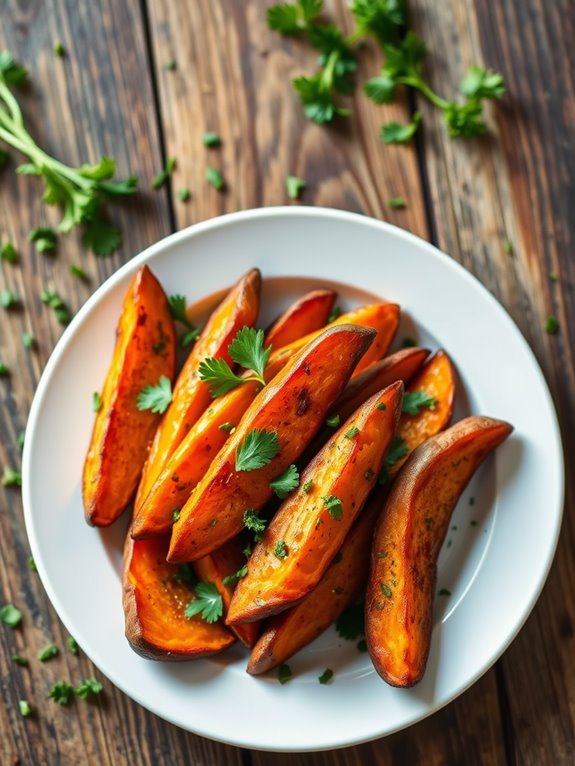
(8, 299)
(215, 178)
(8, 253)
(53, 300)
(211, 139)
(61, 692)
(48, 652)
(162, 177)
(89, 687)
(10, 616)
(11, 478)
(81, 192)
(44, 237)
(294, 186)
(25, 708)
(4, 370)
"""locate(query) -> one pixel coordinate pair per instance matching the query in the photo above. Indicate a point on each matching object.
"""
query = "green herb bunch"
(81, 192)
(385, 21)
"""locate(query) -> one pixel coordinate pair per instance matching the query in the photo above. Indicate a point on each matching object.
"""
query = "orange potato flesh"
(218, 565)
(346, 468)
(293, 405)
(399, 366)
(308, 314)
(436, 378)
(154, 607)
(192, 396)
(382, 317)
(145, 350)
(288, 632)
(407, 541)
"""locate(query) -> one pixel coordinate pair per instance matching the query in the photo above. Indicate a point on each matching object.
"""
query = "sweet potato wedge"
(288, 632)
(218, 565)
(310, 526)
(407, 541)
(145, 350)
(382, 317)
(293, 405)
(192, 396)
(154, 607)
(308, 314)
(436, 378)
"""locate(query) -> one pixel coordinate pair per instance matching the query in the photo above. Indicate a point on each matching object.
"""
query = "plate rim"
(220, 222)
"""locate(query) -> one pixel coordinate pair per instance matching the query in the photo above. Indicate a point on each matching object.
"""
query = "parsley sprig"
(178, 308)
(257, 450)
(156, 398)
(385, 21)
(413, 401)
(208, 603)
(247, 350)
(81, 192)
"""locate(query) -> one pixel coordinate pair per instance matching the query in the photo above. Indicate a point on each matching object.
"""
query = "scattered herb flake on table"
(10, 616)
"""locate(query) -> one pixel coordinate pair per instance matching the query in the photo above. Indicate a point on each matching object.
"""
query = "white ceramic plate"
(505, 528)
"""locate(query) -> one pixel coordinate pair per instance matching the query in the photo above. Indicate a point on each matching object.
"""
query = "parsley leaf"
(397, 203)
(351, 623)
(352, 433)
(72, 645)
(53, 300)
(178, 309)
(162, 177)
(4, 369)
(8, 253)
(286, 482)
(219, 376)
(552, 325)
(8, 299)
(413, 401)
(396, 133)
(247, 350)
(11, 478)
(24, 708)
(333, 421)
(291, 19)
(11, 72)
(284, 674)
(96, 401)
(280, 550)
(380, 89)
(62, 692)
(333, 505)
(184, 194)
(87, 688)
(253, 522)
(208, 603)
(211, 139)
(156, 398)
(17, 659)
(257, 450)
(294, 186)
(215, 178)
(10, 616)
(233, 578)
(49, 651)
(397, 450)
(326, 676)
(482, 83)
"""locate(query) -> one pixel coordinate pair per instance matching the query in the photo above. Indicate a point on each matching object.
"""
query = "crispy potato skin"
(220, 564)
(293, 405)
(288, 632)
(306, 315)
(381, 317)
(407, 541)
(346, 468)
(437, 378)
(145, 349)
(154, 607)
(191, 395)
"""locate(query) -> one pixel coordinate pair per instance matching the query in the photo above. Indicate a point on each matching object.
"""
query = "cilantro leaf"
(49, 651)
(258, 449)
(8, 253)
(284, 674)
(255, 524)
(351, 622)
(286, 482)
(53, 300)
(413, 401)
(208, 603)
(396, 133)
(156, 398)
(247, 350)
(215, 178)
(233, 578)
(333, 505)
(219, 376)
(61, 692)
(162, 177)
(482, 83)
(10, 616)
(44, 238)
(397, 450)
(11, 478)
(25, 708)
(464, 120)
(102, 236)
(211, 139)
(384, 19)
(178, 309)
(96, 401)
(292, 19)
(380, 90)
(88, 687)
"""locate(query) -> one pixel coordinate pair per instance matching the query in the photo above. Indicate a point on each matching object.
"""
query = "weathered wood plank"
(518, 185)
(97, 99)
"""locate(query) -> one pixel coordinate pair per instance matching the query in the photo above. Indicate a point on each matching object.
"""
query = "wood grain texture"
(233, 77)
(519, 185)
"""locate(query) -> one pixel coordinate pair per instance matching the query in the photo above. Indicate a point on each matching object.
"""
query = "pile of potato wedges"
(263, 513)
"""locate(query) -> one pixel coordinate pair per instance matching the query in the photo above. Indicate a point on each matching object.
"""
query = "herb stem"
(416, 82)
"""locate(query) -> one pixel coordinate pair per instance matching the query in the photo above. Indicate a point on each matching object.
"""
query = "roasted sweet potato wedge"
(218, 565)
(288, 632)
(382, 317)
(192, 396)
(145, 350)
(292, 406)
(308, 314)
(437, 379)
(155, 600)
(407, 541)
(310, 526)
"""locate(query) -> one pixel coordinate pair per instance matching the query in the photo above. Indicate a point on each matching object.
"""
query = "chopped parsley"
(352, 433)
(184, 574)
(396, 203)
(184, 194)
(253, 522)
(284, 674)
(72, 645)
(78, 272)
(294, 186)
(233, 578)
(44, 238)
(386, 590)
(53, 300)
(61, 692)
(336, 312)
(156, 398)
(211, 139)
(280, 550)
(11, 478)
(8, 253)
(96, 401)
(88, 688)
(333, 505)
(307, 487)
(28, 340)
(162, 177)
(508, 247)
(286, 482)
(351, 622)
(10, 616)
(17, 659)
(4, 370)
(208, 603)
(397, 450)
(444, 592)
(215, 178)
(8, 299)
(176, 514)
(24, 708)
(413, 401)
(32, 564)
(552, 325)
(398, 133)
(257, 450)
(333, 421)
(326, 676)
(48, 652)
(227, 427)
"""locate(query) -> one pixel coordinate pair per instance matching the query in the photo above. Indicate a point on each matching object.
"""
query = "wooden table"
(112, 93)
